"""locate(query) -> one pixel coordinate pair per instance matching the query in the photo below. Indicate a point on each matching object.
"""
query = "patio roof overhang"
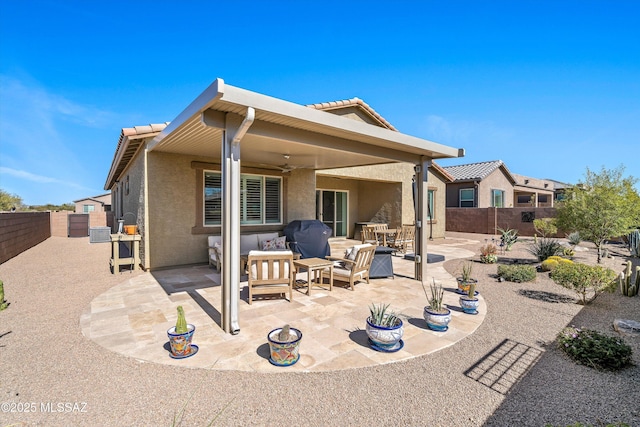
(228, 123)
(312, 138)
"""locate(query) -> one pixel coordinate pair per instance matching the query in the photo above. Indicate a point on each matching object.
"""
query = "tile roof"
(476, 171)
(128, 143)
(437, 168)
(354, 102)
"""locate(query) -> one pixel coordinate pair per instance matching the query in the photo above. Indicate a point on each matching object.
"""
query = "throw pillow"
(269, 245)
(277, 244)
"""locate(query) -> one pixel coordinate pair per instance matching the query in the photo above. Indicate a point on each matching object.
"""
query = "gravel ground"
(507, 373)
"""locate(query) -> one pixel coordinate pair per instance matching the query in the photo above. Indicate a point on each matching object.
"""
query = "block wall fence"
(488, 220)
(20, 231)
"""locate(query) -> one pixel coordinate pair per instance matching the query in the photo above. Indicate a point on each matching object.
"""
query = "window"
(260, 199)
(497, 199)
(542, 198)
(88, 208)
(467, 197)
(431, 213)
(525, 199)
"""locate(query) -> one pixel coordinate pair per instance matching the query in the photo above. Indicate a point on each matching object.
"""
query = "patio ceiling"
(311, 138)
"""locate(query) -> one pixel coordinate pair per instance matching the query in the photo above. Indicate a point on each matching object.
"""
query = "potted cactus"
(284, 345)
(470, 302)
(180, 337)
(384, 329)
(436, 314)
(465, 279)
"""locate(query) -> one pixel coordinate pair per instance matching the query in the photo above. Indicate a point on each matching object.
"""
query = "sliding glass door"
(331, 209)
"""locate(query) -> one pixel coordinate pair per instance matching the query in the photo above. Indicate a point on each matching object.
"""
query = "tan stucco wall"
(495, 181)
(172, 187)
(301, 195)
(384, 194)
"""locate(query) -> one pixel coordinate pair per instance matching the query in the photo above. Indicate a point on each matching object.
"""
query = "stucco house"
(491, 185)
(236, 162)
(100, 203)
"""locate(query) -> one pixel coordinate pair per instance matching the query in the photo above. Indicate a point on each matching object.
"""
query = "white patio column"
(422, 218)
(235, 128)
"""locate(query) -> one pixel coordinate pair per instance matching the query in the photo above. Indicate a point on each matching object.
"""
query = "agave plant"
(544, 248)
(380, 316)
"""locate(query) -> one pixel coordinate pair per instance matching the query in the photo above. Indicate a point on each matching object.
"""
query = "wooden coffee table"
(314, 267)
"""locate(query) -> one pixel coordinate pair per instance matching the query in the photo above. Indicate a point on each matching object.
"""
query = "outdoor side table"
(381, 265)
(125, 250)
(314, 267)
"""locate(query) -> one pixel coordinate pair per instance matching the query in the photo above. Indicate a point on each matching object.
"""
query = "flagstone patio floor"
(132, 318)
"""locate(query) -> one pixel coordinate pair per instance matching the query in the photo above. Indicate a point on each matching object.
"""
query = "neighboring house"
(480, 185)
(492, 185)
(533, 192)
(559, 189)
(101, 203)
(340, 162)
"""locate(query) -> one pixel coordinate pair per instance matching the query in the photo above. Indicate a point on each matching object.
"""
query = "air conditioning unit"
(99, 234)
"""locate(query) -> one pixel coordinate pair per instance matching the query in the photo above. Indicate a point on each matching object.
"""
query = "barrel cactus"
(181, 323)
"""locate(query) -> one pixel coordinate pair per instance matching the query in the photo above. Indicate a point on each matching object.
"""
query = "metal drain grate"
(504, 366)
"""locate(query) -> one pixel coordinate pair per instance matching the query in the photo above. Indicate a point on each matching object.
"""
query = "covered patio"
(161, 177)
(132, 318)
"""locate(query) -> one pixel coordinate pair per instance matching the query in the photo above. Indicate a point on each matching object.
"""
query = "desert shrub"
(544, 248)
(584, 279)
(488, 254)
(517, 273)
(574, 238)
(548, 264)
(568, 252)
(552, 262)
(591, 348)
(545, 226)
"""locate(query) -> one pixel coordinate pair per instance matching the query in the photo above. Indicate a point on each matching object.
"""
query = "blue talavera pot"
(284, 353)
(437, 321)
(469, 305)
(385, 338)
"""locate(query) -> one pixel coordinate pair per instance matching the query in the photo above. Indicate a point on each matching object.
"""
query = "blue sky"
(549, 87)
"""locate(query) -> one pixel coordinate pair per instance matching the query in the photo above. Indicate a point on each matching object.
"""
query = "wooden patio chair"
(270, 272)
(368, 234)
(353, 267)
(397, 241)
(408, 238)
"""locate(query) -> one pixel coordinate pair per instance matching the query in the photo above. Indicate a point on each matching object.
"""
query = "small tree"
(9, 201)
(545, 226)
(584, 279)
(606, 205)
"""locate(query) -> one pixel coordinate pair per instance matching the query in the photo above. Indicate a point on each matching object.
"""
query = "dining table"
(384, 233)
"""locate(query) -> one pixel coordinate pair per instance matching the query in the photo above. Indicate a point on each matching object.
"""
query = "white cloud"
(28, 176)
(458, 132)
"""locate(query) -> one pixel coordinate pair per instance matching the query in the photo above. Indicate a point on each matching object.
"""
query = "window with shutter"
(260, 199)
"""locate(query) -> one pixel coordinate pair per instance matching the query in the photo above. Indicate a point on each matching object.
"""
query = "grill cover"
(309, 237)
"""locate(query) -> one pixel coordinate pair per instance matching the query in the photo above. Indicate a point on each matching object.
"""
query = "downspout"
(231, 221)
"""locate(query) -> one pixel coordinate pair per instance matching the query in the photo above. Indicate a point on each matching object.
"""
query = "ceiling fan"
(286, 167)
